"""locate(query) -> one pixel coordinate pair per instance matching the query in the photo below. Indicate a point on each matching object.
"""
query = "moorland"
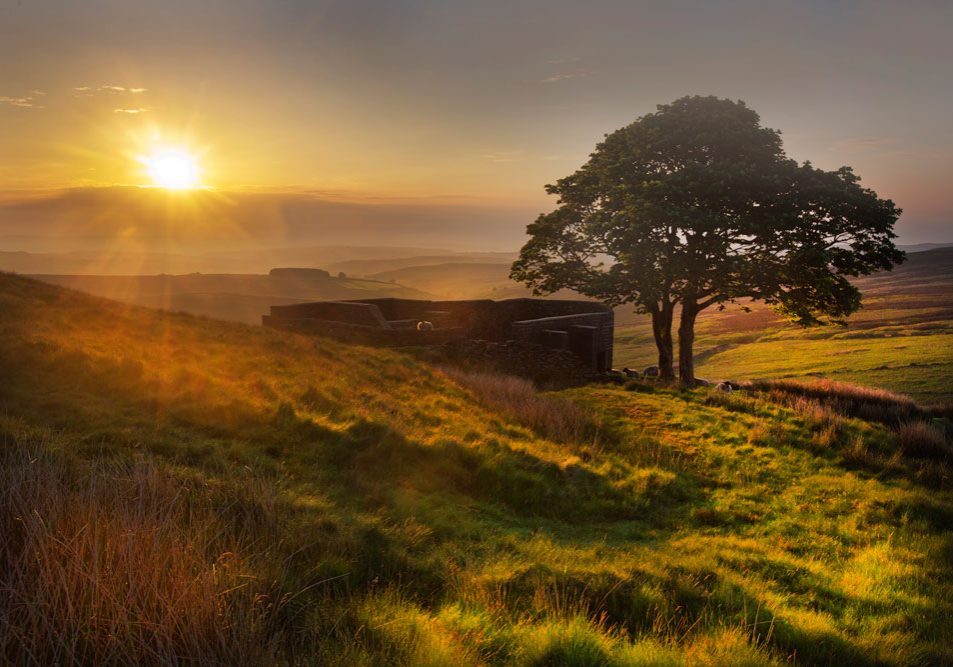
(180, 489)
(901, 339)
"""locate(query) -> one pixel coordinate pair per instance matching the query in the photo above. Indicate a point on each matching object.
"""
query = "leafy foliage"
(697, 205)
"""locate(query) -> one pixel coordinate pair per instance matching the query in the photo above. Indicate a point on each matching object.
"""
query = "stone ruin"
(532, 328)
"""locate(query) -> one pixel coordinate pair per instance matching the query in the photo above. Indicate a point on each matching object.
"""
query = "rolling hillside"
(370, 266)
(457, 280)
(237, 297)
(177, 489)
(121, 260)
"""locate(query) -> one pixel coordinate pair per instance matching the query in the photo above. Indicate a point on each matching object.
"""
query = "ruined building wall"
(589, 336)
(581, 327)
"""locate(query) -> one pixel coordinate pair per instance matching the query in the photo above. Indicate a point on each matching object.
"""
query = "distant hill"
(205, 220)
(237, 297)
(369, 267)
(920, 247)
(455, 280)
(119, 262)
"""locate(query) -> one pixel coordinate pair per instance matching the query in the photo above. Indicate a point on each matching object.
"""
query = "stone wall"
(588, 335)
(483, 318)
(365, 335)
(581, 328)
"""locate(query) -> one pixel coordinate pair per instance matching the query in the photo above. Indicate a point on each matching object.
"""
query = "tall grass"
(923, 435)
(923, 440)
(120, 563)
(558, 419)
(853, 400)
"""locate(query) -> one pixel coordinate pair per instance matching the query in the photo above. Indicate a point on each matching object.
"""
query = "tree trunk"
(686, 341)
(662, 330)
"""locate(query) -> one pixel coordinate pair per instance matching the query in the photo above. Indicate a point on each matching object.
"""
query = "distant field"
(901, 340)
(236, 297)
(458, 280)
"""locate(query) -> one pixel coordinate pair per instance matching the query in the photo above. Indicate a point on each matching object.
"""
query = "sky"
(446, 118)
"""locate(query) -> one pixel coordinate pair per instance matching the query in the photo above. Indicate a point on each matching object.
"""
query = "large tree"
(697, 205)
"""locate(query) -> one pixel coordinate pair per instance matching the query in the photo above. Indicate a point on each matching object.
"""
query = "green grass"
(901, 340)
(382, 512)
(916, 364)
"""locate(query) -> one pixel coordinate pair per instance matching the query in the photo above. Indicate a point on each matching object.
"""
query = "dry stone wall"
(577, 330)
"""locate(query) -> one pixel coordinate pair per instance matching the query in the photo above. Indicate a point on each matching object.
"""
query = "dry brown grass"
(924, 441)
(558, 419)
(869, 403)
(814, 410)
(922, 433)
(121, 564)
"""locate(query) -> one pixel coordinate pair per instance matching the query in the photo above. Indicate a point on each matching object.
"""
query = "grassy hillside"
(902, 339)
(174, 488)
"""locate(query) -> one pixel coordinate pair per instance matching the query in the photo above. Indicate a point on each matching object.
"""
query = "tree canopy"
(697, 205)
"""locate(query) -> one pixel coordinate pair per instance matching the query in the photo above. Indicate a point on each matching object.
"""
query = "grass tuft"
(852, 400)
(120, 563)
(559, 419)
(923, 440)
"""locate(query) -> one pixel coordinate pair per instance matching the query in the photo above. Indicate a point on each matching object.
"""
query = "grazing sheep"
(651, 372)
(630, 372)
(725, 387)
(424, 325)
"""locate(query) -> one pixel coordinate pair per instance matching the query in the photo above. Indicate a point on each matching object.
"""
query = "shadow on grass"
(111, 405)
(837, 439)
(678, 603)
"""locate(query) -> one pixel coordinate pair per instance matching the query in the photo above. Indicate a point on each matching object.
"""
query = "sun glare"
(172, 168)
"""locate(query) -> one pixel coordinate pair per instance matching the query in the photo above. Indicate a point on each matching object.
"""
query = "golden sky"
(451, 103)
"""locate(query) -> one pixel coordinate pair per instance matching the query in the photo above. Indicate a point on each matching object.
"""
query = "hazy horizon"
(434, 123)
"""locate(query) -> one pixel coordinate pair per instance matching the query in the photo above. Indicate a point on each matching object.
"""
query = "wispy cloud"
(503, 156)
(130, 111)
(88, 91)
(866, 142)
(569, 74)
(562, 61)
(121, 89)
(24, 102)
(520, 155)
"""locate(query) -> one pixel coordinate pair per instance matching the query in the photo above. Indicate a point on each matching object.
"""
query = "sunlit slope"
(216, 391)
(409, 521)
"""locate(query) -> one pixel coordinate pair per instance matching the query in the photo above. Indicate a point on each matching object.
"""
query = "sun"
(172, 168)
